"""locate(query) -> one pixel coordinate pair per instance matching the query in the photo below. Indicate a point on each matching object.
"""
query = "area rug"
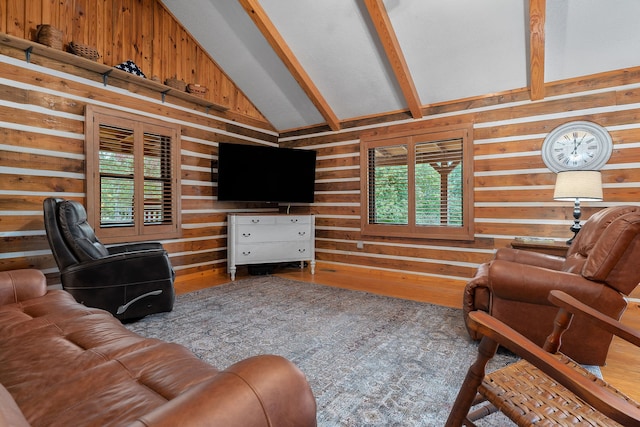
(370, 360)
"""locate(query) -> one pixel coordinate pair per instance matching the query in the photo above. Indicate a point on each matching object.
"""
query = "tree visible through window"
(133, 162)
(415, 185)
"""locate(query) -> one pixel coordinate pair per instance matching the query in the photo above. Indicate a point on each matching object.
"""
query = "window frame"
(411, 138)
(96, 116)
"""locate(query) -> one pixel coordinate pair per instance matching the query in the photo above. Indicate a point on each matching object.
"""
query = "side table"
(548, 247)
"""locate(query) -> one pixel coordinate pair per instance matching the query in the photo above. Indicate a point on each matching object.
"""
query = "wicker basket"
(49, 35)
(196, 89)
(84, 51)
(176, 84)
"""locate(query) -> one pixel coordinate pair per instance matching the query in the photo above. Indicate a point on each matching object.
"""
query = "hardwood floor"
(623, 362)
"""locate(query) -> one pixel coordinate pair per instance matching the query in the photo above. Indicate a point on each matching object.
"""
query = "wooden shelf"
(107, 72)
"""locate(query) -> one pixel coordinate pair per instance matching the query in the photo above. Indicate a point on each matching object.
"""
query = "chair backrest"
(70, 236)
(605, 248)
(61, 252)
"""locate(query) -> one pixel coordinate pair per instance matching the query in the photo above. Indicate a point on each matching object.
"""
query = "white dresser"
(260, 239)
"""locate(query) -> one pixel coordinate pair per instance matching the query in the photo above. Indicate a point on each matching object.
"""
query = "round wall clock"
(579, 145)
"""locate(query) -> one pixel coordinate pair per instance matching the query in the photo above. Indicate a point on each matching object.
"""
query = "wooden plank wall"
(159, 45)
(513, 188)
(42, 154)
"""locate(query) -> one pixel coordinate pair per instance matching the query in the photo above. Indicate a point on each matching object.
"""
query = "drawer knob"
(255, 220)
(302, 250)
(246, 234)
(246, 253)
(294, 219)
(301, 233)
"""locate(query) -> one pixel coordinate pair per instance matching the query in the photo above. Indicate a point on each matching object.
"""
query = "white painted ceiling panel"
(226, 32)
(462, 48)
(454, 49)
(341, 53)
(591, 36)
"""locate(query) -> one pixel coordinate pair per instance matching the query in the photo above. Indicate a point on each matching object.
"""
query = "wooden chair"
(545, 387)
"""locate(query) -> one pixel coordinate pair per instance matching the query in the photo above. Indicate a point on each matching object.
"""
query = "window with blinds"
(415, 185)
(133, 165)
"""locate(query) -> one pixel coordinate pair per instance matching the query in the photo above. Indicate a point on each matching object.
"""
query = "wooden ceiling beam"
(387, 35)
(275, 39)
(537, 16)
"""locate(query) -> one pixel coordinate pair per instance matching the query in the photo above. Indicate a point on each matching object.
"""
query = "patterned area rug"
(370, 360)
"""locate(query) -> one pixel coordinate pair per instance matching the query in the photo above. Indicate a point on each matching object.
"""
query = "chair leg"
(469, 389)
(482, 412)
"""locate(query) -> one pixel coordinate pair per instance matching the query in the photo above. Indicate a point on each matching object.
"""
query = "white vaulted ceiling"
(335, 67)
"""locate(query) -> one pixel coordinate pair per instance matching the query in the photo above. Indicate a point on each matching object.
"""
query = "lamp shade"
(583, 185)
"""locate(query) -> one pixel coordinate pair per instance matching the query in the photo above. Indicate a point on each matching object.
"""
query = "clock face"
(577, 146)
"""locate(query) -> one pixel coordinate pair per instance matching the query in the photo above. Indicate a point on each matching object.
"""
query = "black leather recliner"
(130, 281)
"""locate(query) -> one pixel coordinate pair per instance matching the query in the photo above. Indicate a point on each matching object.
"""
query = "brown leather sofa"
(599, 270)
(64, 364)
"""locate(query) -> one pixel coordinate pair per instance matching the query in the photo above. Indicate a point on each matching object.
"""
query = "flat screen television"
(254, 173)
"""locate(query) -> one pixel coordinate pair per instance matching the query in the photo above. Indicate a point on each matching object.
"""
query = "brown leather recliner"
(130, 281)
(600, 268)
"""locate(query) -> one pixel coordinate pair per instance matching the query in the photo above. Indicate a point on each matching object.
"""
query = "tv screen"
(253, 173)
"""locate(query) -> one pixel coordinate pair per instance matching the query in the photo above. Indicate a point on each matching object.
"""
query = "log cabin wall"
(513, 189)
(42, 147)
(42, 154)
(143, 31)
(42, 103)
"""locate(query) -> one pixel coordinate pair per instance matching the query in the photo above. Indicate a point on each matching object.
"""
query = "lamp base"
(575, 233)
(575, 228)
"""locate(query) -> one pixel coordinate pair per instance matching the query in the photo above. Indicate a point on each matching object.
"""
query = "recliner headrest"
(614, 256)
(590, 234)
(595, 226)
(78, 233)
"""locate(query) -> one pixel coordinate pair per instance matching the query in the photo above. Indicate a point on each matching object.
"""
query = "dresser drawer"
(280, 233)
(255, 219)
(267, 252)
(272, 219)
(293, 219)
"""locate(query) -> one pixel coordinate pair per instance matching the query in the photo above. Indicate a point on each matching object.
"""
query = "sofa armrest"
(259, 391)
(520, 282)
(134, 247)
(573, 306)
(141, 266)
(537, 259)
(10, 413)
(21, 285)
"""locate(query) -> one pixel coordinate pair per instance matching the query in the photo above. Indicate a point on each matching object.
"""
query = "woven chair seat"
(529, 397)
